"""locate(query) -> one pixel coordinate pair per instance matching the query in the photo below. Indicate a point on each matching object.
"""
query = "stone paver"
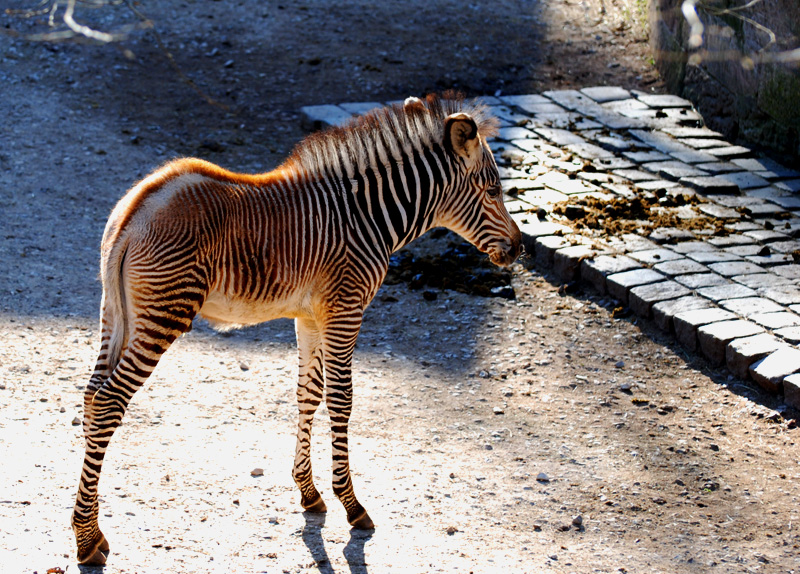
(734, 295)
(713, 338)
(770, 371)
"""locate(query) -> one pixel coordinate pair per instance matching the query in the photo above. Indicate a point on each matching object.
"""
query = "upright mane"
(384, 134)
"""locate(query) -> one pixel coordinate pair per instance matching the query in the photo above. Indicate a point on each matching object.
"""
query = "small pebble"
(257, 472)
(498, 410)
(451, 530)
(577, 521)
(273, 520)
(542, 477)
(76, 421)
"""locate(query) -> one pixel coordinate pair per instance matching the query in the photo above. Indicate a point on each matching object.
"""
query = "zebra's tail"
(114, 309)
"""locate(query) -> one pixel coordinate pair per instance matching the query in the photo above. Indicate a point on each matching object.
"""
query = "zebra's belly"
(225, 312)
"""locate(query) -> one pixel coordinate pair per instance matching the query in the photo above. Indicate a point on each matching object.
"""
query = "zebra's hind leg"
(105, 405)
(339, 342)
(309, 395)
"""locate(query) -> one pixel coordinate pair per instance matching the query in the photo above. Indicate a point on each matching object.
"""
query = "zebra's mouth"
(506, 254)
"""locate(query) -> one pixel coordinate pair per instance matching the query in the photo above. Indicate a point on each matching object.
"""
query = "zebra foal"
(310, 240)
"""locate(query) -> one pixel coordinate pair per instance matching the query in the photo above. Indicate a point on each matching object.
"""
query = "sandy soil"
(545, 433)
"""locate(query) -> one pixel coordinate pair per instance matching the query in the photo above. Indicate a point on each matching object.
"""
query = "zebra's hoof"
(362, 522)
(316, 506)
(96, 556)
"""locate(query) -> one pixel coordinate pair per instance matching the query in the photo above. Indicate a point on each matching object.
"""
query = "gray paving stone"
(673, 169)
(686, 323)
(535, 228)
(541, 196)
(795, 308)
(663, 235)
(731, 268)
(652, 256)
(791, 391)
(693, 247)
(522, 100)
(742, 226)
(710, 184)
(760, 280)
(788, 271)
(681, 266)
(766, 192)
(718, 211)
(697, 280)
(789, 334)
(741, 353)
(620, 106)
(618, 284)
(763, 210)
(642, 298)
(664, 311)
(659, 101)
(635, 175)
(660, 141)
(792, 185)
(745, 180)
(770, 371)
(770, 260)
(602, 94)
(610, 163)
(730, 291)
(777, 320)
(318, 117)
(745, 250)
(545, 248)
(730, 240)
(787, 202)
(785, 294)
(559, 136)
(596, 270)
(766, 235)
(749, 306)
(703, 143)
(766, 165)
(717, 167)
(694, 157)
(785, 246)
(714, 338)
(686, 132)
(612, 142)
(645, 156)
(515, 132)
(656, 184)
(712, 256)
(570, 186)
(567, 261)
(730, 151)
(589, 151)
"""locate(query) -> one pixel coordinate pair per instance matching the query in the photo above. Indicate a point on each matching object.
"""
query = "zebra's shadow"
(353, 551)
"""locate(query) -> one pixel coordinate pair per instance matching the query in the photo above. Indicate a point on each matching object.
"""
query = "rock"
(498, 411)
(76, 421)
(542, 477)
(577, 521)
(244, 366)
(257, 472)
(273, 520)
(452, 530)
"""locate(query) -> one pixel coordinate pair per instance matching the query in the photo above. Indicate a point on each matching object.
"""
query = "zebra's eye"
(494, 191)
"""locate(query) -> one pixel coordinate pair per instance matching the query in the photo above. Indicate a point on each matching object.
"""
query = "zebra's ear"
(461, 135)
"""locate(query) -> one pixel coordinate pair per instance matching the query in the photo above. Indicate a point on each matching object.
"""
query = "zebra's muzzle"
(505, 252)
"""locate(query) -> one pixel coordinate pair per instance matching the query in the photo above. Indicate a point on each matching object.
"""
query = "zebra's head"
(474, 205)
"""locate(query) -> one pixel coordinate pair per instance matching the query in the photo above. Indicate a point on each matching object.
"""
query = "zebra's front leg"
(309, 395)
(339, 343)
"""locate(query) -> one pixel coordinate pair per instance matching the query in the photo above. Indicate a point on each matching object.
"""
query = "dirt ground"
(545, 433)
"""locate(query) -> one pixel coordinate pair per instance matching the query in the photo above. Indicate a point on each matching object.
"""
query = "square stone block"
(697, 280)
(713, 338)
(776, 320)
(741, 353)
(619, 284)
(789, 334)
(567, 261)
(665, 311)
(770, 371)
(732, 268)
(747, 306)
(712, 256)
(730, 291)
(595, 271)
(687, 322)
(642, 298)
(680, 267)
(651, 256)
(546, 247)
(602, 94)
